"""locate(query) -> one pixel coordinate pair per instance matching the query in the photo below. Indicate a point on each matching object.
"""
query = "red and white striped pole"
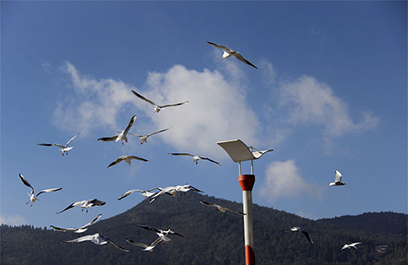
(246, 182)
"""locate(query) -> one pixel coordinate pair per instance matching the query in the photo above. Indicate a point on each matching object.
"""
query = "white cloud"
(283, 180)
(12, 220)
(309, 101)
(217, 109)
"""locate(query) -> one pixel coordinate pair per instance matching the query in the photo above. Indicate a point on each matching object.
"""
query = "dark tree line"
(212, 237)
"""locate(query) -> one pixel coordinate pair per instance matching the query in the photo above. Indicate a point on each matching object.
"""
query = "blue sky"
(330, 93)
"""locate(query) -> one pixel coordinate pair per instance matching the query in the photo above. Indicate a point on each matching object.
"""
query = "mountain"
(212, 237)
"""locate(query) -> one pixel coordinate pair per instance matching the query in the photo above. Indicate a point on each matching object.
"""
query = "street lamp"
(239, 152)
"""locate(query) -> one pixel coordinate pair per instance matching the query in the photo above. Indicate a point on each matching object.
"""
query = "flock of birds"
(154, 193)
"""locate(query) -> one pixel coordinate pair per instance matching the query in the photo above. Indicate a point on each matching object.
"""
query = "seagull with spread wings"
(77, 230)
(220, 208)
(143, 138)
(144, 246)
(337, 181)
(228, 53)
(33, 196)
(306, 234)
(145, 193)
(64, 148)
(122, 136)
(162, 234)
(157, 107)
(195, 157)
(127, 159)
(97, 239)
(85, 204)
(352, 245)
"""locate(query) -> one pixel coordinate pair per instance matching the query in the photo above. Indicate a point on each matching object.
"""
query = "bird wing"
(127, 194)
(194, 189)
(72, 205)
(209, 159)
(59, 145)
(143, 98)
(91, 222)
(70, 140)
(138, 158)
(242, 59)
(150, 228)
(80, 239)
(136, 243)
(225, 49)
(96, 202)
(181, 154)
(62, 229)
(157, 241)
(130, 124)
(120, 159)
(113, 243)
(309, 238)
(150, 134)
(208, 204)
(228, 209)
(24, 180)
(338, 176)
(345, 246)
(108, 139)
(355, 244)
(175, 233)
(175, 104)
(48, 190)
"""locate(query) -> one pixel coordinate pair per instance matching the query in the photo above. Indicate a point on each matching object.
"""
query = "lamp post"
(239, 152)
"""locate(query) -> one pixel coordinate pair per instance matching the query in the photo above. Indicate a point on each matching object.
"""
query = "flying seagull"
(228, 52)
(127, 159)
(157, 108)
(352, 245)
(220, 208)
(77, 230)
(337, 181)
(97, 239)
(143, 138)
(85, 204)
(195, 157)
(146, 247)
(33, 197)
(172, 190)
(145, 193)
(163, 234)
(64, 148)
(257, 154)
(298, 229)
(122, 136)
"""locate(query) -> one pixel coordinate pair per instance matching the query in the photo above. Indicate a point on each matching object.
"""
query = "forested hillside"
(212, 237)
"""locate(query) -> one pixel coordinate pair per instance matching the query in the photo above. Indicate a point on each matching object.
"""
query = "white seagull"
(97, 239)
(298, 229)
(337, 181)
(257, 154)
(64, 148)
(352, 245)
(32, 195)
(122, 136)
(146, 247)
(127, 159)
(157, 108)
(228, 52)
(221, 208)
(143, 138)
(163, 234)
(77, 230)
(172, 190)
(145, 193)
(195, 157)
(84, 204)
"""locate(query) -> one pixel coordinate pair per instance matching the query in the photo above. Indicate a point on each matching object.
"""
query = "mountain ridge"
(211, 237)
